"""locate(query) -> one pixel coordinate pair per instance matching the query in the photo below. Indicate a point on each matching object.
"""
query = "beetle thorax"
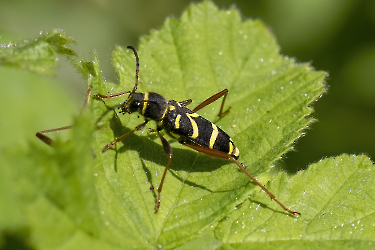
(149, 104)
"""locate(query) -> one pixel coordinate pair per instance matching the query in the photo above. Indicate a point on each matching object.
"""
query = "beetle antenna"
(137, 67)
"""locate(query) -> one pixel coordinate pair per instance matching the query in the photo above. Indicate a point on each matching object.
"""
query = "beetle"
(181, 123)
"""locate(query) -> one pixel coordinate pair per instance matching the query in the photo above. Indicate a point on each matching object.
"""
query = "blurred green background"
(336, 36)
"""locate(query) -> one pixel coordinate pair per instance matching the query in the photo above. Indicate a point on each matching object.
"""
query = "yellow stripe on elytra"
(233, 150)
(194, 125)
(230, 147)
(214, 135)
(177, 122)
(236, 152)
(145, 100)
(165, 111)
(193, 115)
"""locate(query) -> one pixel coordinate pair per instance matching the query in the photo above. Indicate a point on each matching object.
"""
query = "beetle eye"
(134, 106)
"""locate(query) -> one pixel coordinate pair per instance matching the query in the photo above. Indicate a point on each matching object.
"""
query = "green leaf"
(30, 103)
(38, 55)
(71, 201)
(204, 52)
(336, 197)
(56, 186)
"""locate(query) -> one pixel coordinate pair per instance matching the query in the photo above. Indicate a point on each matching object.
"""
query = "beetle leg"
(212, 99)
(168, 151)
(138, 128)
(41, 134)
(220, 154)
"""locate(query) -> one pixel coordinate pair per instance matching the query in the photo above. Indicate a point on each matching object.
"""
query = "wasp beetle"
(181, 123)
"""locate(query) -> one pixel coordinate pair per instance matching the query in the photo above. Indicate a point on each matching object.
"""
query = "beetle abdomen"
(184, 124)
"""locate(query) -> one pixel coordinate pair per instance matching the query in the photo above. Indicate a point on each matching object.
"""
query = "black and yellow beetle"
(189, 128)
